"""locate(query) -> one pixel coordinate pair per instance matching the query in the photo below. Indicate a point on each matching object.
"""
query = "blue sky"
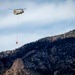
(41, 18)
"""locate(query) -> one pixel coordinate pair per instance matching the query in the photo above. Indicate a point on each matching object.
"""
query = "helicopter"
(18, 11)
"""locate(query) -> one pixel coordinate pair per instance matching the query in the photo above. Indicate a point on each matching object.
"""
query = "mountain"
(48, 56)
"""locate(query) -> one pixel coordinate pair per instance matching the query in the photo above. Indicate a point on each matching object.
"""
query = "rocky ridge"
(18, 68)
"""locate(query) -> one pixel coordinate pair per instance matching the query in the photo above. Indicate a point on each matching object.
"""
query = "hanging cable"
(17, 29)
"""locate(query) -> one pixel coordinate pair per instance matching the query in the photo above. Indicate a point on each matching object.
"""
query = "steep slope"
(18, 68)
(47, 56)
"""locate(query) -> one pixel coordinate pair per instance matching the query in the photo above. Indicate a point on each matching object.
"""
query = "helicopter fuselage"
(18, 11)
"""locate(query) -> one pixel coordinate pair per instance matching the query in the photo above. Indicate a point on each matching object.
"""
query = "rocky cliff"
(18, 68)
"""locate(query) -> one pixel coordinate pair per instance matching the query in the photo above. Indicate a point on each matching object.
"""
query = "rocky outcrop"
(18, 68)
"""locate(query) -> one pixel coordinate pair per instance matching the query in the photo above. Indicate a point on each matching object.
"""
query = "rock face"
(18, 68)
(48, 56)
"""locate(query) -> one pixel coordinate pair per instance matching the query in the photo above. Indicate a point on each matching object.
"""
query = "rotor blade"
(10, 9)
(18, 9)
(23, 8)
